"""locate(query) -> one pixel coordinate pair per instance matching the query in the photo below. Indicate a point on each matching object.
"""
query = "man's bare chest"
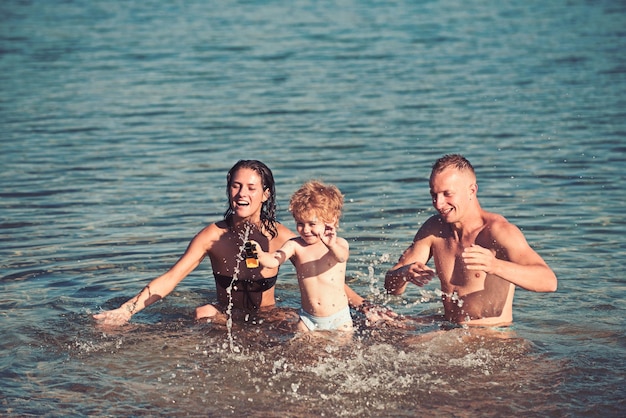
(454, 275)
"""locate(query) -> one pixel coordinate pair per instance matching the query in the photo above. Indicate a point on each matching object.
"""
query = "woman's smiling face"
(247, 194)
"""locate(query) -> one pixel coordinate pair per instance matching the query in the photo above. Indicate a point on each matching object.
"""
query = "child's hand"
(256, 246)
(329, 236)
(251, 254)
(265, 259)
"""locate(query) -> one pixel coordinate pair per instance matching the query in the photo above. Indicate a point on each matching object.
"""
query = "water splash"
(374, 288)
(244, 237)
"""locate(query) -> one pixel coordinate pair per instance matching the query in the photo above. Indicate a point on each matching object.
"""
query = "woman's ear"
(266, 195)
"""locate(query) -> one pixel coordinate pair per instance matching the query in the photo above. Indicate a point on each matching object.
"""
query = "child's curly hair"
(315, 197)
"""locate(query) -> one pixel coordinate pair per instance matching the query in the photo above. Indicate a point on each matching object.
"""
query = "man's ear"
(473, 189)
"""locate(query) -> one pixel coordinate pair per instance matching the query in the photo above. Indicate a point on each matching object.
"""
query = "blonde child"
(319, 256)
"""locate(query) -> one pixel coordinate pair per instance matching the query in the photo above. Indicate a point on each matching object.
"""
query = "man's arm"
(411, 267)
(372, 312)
(514, 261)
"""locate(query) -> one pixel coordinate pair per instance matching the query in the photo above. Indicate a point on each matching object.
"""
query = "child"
(319, 256)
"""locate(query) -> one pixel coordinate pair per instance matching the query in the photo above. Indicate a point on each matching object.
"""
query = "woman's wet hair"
(268, 209)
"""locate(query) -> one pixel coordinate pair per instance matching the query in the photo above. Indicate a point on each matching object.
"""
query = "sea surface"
(120, 119)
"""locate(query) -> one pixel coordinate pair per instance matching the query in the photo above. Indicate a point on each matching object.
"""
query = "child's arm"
(273, 260)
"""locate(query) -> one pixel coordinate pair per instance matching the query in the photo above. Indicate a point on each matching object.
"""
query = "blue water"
(119, 120)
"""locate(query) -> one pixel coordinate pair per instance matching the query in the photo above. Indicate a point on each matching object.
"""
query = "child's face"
(310, 227)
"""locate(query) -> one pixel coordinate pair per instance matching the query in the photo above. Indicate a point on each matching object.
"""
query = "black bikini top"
(245, 285)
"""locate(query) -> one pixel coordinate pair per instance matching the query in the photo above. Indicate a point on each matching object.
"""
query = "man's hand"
(419, 274)
(375, 313)
(478, 258)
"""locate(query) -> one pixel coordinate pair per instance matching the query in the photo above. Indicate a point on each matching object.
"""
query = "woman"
(251, 216)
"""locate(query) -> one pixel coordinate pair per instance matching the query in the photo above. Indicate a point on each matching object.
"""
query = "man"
(479, 256)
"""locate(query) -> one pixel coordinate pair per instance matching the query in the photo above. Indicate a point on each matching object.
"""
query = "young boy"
(319, 256)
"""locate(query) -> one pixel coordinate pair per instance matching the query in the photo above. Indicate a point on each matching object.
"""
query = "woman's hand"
(115, 317)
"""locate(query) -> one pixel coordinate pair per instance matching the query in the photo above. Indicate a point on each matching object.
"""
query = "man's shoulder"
(433, 224)
(496, 221)
(433, 227)
(500, 228)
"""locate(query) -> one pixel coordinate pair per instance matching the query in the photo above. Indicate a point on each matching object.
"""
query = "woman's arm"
(163, 285)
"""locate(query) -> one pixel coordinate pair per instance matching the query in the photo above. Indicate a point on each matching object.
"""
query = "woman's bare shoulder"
(212, 231)
(284, 233)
